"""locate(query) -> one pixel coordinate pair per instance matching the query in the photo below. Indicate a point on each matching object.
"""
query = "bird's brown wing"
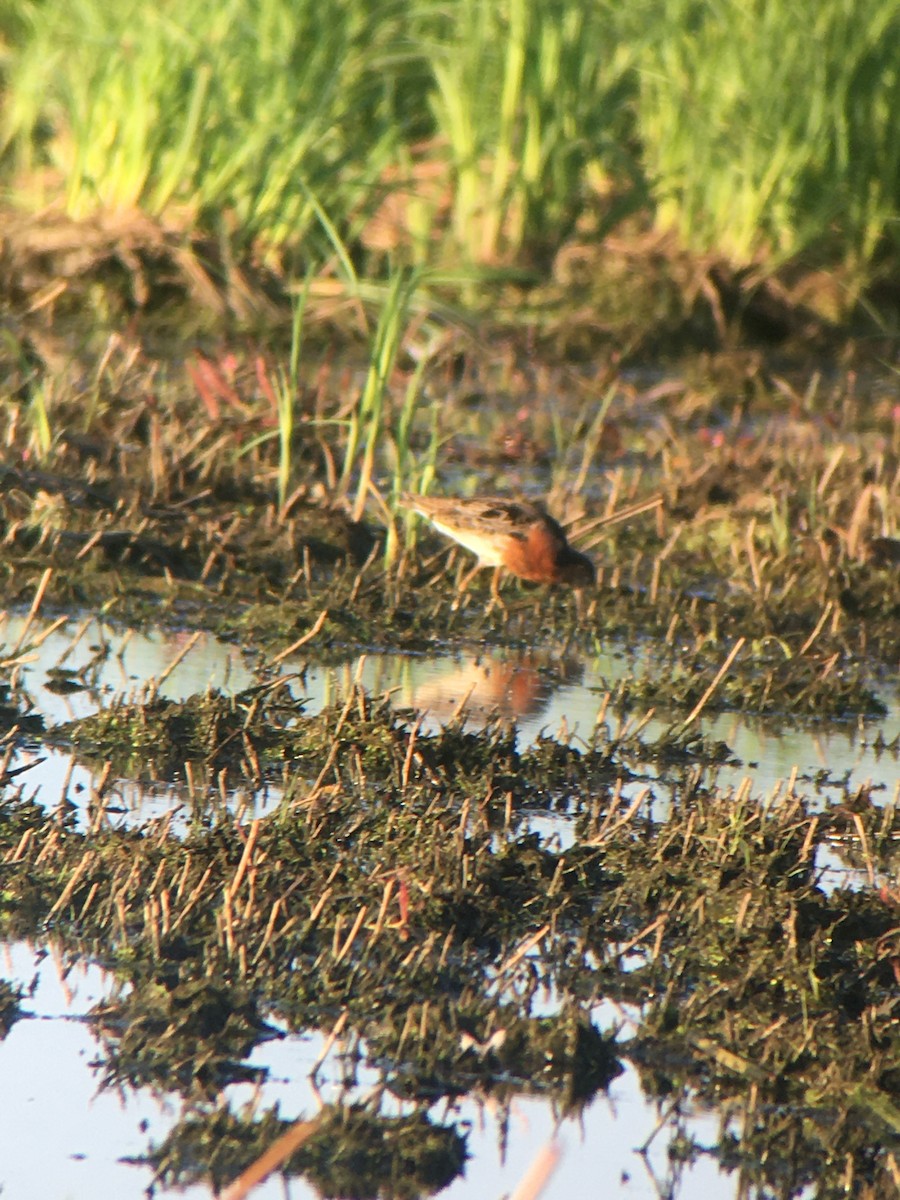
(483, 514)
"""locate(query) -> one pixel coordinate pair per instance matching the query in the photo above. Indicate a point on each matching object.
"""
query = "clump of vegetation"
(10, 1006)
(771, 552)
(410, 902)
(353, 1151)
(466, 136)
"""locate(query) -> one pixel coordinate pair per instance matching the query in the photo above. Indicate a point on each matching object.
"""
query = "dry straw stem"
(246, 858)
(185, 650)
(516, 957)
(382, 911)
(864, 845)
(536, 1178)
(44, 634)
(333, 752)
(579, 529)
(462, 705)
(609, 826)
(280, 1151)
(33, 611)
(410, 748)
(66, 894)
(720, 675)
(351, 936)
(76, 639)
(336, 1031)
(193, 897)
(89, 545)
(654, 927)
(301, 641)
(826, 613)
(858, 519)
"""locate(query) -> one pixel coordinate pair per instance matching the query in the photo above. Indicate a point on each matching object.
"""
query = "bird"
(517, 535)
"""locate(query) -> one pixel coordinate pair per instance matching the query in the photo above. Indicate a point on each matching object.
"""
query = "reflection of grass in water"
(349, 1150)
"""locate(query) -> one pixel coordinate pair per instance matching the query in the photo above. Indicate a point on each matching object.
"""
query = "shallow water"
(63, 1137)
(548, 694)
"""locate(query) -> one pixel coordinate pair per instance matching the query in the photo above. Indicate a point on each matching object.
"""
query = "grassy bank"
(472, 134)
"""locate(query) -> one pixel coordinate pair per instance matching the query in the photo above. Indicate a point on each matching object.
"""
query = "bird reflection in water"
(485, 687)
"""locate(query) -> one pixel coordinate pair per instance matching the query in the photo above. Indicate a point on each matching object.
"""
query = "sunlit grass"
(367, 420)
(529, 97)
(756, 131)
(41, 440)
(767, 127)
(286, 395)
(240, 111)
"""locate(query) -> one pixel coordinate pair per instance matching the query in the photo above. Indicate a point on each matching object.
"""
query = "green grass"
(758, 130)
(237, 112)
(530, 98)
(769, 128)
(366, 421)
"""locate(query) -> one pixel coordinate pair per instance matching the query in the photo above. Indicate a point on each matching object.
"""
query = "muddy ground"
(398, 889)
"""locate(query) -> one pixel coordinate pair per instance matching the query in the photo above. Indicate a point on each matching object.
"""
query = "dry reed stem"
(66, 894)
(99, 787)
(157, 683)
(182, 878)
(751, 554)
(13, 856)
(280, 1150)
(193, 897)
(461, 706)
(228, 922)
(316, 910)
(826, 613)
(89, 545)
(270, 929)
(157, 878)
(539, 1173)
(335, 743)
(741, 912)
(833, 462)
(579, 529)
(643, 723)
(33, 611)
(382, 911)
(410, 747)
(720, 675)
(351, 936)
(608, 829)
(301, 641)
(45, 633)
(245, 857)
(95, 887)
(864, 843)
(809, 839)
(660, 923)
(336, 1031)
(516, 957)
(858, 519)
(357, 582)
